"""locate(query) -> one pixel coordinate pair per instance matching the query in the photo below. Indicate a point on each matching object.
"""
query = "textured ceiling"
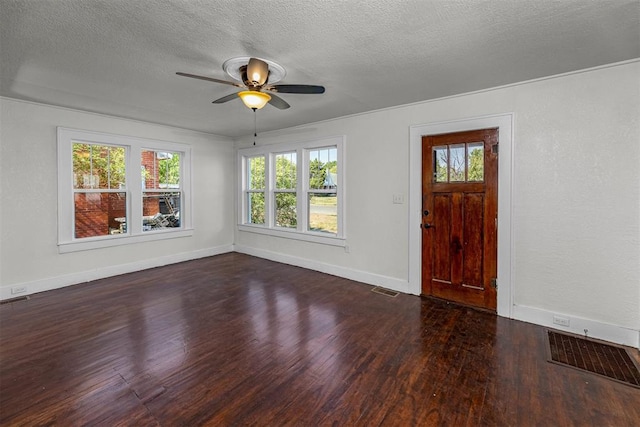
(119, 57)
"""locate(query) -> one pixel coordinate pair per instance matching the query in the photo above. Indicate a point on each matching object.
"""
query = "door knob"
(427, 226)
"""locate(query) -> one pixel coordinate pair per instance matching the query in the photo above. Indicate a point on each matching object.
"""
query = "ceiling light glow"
(254, 99)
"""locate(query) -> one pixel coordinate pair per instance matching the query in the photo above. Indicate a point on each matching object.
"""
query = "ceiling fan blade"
(309, 89)
(210, 79)
(257, 71)
(226, 98)
(278, 102)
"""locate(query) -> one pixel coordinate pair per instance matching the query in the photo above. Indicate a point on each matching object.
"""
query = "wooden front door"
(460, 217)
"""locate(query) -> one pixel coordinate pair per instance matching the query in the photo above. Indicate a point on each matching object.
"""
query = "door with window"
(459, 221)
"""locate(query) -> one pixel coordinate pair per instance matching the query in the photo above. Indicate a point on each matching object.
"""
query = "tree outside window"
(459, 163)
(285, 190)
(256, 180)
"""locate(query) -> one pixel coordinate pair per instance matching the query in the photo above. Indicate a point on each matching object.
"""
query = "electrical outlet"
(560, 320)
(18, 290)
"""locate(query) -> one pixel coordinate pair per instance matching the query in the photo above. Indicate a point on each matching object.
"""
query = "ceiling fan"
(257, 76)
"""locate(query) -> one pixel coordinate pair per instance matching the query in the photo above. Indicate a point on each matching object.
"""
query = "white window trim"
(302, 189)
(134, 146)
(243, 183)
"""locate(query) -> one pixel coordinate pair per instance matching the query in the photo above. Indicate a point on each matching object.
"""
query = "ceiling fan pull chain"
(255, 126)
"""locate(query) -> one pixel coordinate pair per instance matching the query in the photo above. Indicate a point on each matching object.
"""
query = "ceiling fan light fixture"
(254, 99)
(257, 71)
(276, 72)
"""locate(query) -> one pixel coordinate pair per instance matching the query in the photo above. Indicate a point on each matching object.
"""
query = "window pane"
(323, 168)
(323, 212)
(286, 210)
(440, 156)
(99, 214)
(475, 156)
(255, 208)
(160, 210)
(457, 163)
(286, 171)
(160, 170)
(98, 166)
(255, 174)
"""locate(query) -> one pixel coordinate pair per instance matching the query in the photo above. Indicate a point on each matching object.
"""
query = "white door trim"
(504, 122)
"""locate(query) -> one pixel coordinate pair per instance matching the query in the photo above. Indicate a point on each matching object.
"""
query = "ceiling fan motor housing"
(252, 84)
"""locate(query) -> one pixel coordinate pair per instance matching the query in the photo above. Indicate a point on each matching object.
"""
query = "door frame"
(504, 123)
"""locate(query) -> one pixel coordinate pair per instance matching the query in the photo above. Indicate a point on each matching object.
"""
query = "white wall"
(575, 190)
(575, 197)
(28, 220)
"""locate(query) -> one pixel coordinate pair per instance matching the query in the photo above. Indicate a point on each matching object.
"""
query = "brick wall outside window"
(96, 213)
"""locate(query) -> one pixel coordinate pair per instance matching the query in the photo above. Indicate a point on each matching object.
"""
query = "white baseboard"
(577, 325)
(348, 273)
(100, 273)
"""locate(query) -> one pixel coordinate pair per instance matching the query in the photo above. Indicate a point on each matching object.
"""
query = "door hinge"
(494, 283)
(495, 148)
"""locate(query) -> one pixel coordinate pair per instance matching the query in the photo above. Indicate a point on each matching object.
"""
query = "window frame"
(309, 191)
(448, 166)
(67, 242)
(302, 190)
(246, 190)
(146, 191)
(92, 190)
(274, 190)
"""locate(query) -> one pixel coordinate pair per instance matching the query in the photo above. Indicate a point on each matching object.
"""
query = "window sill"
(295, 235)
(110, 241)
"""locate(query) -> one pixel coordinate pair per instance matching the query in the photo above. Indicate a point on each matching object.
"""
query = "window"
(98, 182)
(255, 190)
(294, 190)
(284, 193)
(103, 201)
(323, 197)
(459, 162)
(162, 193)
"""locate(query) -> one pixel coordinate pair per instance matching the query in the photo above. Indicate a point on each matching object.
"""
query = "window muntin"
(303, 185)
(101, 189)
(459, 162)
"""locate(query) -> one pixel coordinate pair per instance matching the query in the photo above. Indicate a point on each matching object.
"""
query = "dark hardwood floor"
(237, 340)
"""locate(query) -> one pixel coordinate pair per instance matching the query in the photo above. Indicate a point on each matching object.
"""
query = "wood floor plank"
(238, 340)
